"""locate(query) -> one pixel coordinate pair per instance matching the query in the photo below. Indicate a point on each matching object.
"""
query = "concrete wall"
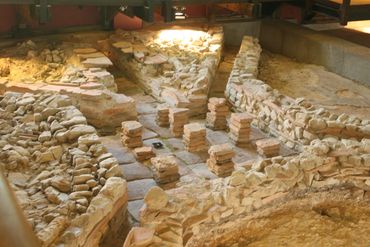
(337, 55)
(235, 31)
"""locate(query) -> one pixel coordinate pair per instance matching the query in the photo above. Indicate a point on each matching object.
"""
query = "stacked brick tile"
(218, 110)
(195, 137)
(165, 169)
(178, 118)
(268, 147)
(220, 159)
(131, 135)
(240, 128)
(144, 153)
(163, 119)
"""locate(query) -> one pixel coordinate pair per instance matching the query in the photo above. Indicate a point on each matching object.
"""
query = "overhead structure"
(344, 10)
(171, 10)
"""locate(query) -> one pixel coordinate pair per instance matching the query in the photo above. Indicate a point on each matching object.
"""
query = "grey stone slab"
(148, 134)
(134, 207)
(202, 170)
(138, 188)
(217, 137)
(175, 144)
(136, 171)
(146, 108)
(148, 121)
(245, 153)
(113, 144)
(191, 158)
(256, 134)
(183, 168)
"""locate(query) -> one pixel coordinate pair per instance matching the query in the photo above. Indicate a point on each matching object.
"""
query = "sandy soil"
(311, 228)
(26, 62)
(315, 83)
(334, 217)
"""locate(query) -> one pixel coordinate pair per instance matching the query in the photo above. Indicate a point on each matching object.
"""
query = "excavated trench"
(335, 217)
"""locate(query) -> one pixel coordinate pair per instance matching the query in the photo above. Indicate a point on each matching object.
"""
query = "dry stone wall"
(174, 65)
(65, 181)
(294, 121)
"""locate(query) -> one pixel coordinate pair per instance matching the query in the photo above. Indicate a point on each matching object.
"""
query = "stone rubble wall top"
(294, 121)
(64, 179)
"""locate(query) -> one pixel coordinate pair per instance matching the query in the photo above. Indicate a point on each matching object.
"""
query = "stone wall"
(175, 65)
(102, 108)
(294, 121)
(75, 69)
(67, 184)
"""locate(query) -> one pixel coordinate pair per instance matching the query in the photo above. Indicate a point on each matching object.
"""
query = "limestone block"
(156, 198)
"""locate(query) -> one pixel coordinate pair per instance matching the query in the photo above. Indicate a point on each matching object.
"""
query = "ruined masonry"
(218, 111)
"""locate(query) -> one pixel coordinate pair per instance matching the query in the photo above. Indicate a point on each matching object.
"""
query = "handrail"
(14, 229)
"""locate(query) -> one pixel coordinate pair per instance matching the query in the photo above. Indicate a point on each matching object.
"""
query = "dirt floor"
(315, 83)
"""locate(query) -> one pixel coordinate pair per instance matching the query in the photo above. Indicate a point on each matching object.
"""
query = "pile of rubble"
(57, 167)
(268, 147)
(144, 153)
(163, 118)
(220, 159)
(240, 128)
(178, 118)
(131, 135)
(218, 111)
(195, 137)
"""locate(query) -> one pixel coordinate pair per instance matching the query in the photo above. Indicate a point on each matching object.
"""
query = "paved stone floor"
(139, 175)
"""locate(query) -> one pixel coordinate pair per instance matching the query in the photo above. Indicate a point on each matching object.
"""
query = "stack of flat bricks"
(131, 135)
(144, 153)
(195, 137)
(218, 110)
(163, 119)
(268, 147)
(178, 118)
(166, 169)
(220, 160)
(240, 128)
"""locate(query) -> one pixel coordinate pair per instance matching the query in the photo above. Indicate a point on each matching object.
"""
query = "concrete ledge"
(337, 55)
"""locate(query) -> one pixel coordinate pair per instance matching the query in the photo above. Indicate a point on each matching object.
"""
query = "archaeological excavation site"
(170, 123)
